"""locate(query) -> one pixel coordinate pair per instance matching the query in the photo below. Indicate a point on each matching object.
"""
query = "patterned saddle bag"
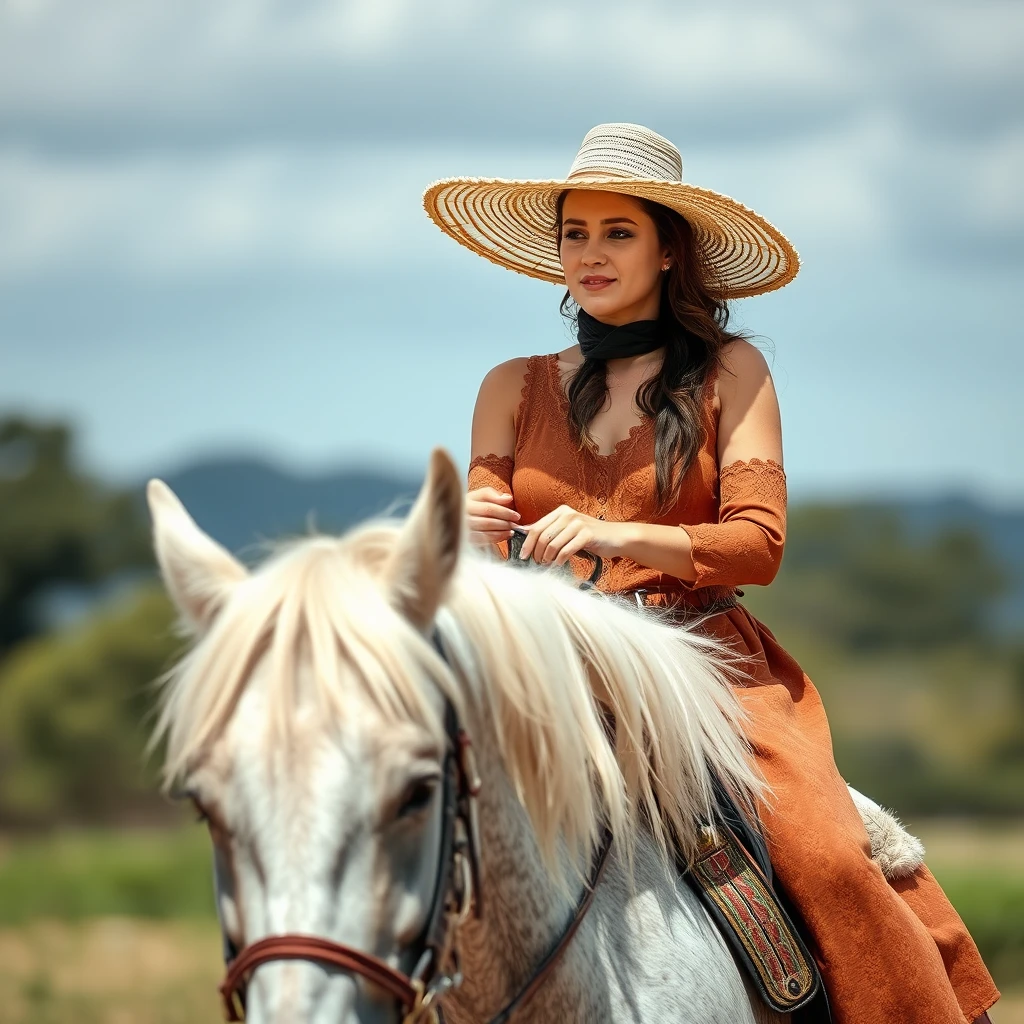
(732, 877)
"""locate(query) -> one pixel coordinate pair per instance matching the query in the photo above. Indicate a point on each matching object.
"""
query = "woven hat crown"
(627, 151)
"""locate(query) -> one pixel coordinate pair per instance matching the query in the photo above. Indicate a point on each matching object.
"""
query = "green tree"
(57, 525)
(854, 579)
(75, 710)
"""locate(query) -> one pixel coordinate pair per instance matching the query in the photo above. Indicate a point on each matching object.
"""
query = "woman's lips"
(595, 284)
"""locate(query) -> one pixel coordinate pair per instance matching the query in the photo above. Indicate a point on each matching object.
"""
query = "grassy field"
(119, 929)
(110, 970)
(128, 971)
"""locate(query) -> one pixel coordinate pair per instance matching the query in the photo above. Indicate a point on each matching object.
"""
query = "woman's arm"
(749, 434)
(745, 545)
(490, 506)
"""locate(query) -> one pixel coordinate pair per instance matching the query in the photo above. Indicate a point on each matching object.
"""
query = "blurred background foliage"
(906, 621)
(921, 672)
(56, 525)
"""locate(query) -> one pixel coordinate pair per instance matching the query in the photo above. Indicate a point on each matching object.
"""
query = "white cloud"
(159, 216)
(825, 190)
(175, 138)
(994, 189)
(265, 65)
(156, 216)
(290, 210)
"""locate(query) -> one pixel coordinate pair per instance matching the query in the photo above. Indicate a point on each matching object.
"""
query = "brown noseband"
(309, 947)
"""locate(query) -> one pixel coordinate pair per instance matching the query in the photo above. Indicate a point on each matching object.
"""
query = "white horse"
(308, 723)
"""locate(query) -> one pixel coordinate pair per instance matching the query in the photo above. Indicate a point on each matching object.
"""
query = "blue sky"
(211, 238)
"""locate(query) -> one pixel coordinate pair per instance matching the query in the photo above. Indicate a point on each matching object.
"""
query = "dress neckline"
(625, 443)
(563, 405)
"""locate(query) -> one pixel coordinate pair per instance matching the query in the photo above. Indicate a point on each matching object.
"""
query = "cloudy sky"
(211, 237)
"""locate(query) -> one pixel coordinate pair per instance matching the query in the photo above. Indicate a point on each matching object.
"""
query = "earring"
(667, 265)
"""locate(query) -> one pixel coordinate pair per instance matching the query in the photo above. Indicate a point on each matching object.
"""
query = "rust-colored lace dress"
(888, 952)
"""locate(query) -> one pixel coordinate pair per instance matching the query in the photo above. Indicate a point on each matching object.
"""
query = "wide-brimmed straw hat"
(512, 222)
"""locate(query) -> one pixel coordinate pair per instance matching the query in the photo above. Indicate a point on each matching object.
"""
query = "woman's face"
(612, 256)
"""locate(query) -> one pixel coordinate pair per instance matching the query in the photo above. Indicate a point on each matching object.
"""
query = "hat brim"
(512, 223)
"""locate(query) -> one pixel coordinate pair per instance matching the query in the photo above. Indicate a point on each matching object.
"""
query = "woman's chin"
(599, 304)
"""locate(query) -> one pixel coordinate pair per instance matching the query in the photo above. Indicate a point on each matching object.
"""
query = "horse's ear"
(428, 546)
(199, 574)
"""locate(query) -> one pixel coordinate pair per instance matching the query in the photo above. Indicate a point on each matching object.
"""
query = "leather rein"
(457, 897)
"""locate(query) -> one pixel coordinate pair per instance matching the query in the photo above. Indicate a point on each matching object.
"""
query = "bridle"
(457, 897)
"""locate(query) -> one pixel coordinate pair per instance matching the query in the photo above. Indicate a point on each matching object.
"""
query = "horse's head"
(307, 723)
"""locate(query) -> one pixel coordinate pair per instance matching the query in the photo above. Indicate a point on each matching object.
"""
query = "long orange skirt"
(888, 952)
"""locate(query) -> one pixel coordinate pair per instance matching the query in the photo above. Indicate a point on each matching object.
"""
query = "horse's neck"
(524, 914)
(689, 972)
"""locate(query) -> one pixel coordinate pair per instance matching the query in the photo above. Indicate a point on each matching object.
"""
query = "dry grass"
(110, 971)
(129, 970)
(123, 971)
(952, 844)
(1009, 1009)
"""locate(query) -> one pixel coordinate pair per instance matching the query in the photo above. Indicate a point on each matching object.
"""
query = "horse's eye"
(418, 796)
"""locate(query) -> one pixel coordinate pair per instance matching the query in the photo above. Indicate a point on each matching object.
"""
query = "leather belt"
(700, 602)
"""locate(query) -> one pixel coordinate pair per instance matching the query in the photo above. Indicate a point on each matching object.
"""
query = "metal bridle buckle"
(426, 1009)
(234, 1008)
(423, 1010)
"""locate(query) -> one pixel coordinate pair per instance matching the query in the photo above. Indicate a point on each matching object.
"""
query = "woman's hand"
(490, 515)
(564, 532)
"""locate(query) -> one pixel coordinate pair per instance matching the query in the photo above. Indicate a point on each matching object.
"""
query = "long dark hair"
(695, 322)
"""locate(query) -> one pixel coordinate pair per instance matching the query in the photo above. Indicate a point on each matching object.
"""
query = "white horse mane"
(543, 662)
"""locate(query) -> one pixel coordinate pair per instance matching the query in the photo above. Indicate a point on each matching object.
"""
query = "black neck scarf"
(598, 340)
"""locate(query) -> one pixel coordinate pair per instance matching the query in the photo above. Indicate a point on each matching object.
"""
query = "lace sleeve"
(745, 546)
(491, 471)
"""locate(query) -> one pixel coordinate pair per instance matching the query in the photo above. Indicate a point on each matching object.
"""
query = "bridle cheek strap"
(309, 947)
(457, 896)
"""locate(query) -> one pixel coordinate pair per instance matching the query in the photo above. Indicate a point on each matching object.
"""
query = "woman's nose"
(594, 252)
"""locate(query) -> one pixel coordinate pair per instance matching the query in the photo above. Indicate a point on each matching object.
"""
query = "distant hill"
(241, 501)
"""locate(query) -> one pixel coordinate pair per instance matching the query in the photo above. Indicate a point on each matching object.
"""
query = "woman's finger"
(534, 532)
(546, 548)
(488, 510)
(572, 547)
(489, 526)
(490, 494)
(567, 532)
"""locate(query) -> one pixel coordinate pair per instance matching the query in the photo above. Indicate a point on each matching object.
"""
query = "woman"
(656, 443)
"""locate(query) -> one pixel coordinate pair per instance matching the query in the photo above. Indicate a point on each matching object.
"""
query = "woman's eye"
(620, 232)
(418, 797)
(572, 234)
